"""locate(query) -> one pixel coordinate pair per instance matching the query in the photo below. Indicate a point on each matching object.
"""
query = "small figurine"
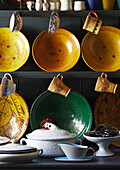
(46, 121)
(30, 5)
(48, 125)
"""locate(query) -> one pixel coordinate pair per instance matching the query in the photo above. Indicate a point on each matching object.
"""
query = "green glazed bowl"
(71, 113)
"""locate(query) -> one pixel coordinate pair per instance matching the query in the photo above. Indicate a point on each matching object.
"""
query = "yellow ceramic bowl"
(14, 116)
(56, 52)
(14, 50)
(102, 52)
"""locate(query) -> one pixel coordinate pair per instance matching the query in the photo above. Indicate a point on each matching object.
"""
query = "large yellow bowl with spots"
(14, 116)
(14, 50)
(102, 52)
(56, 52)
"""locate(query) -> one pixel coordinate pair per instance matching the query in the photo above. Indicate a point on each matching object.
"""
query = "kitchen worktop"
(49, 163)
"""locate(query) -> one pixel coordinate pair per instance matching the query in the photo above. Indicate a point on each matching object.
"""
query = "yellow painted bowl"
(14, 50)
(14, 116)
(56, 52)
(102, 52)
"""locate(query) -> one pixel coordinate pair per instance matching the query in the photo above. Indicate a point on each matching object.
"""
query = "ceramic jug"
(108, 4)
(93, 4)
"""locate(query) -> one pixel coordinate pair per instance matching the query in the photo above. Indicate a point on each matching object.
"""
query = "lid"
(13, 148)
(54, 133)
(4, 140)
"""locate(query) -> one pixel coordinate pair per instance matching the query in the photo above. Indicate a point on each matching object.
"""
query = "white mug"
(79, 5)
(38, 6)
(54, 5)
(7, 85)
(66, 5)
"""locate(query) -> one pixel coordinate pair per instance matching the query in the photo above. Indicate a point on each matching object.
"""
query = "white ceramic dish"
(16, 153)
(48, 140)
(50, 147)
(18, 158)
(103, 143)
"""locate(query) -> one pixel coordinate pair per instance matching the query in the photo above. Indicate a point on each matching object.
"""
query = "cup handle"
(94, 153)
(7, 74)
(40, 151)
(23, 141)
(78, 141)
(94, 14)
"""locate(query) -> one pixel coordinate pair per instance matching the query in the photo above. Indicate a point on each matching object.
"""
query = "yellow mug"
(108, 4)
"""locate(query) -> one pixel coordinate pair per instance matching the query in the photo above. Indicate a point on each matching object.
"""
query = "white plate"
(72, 160)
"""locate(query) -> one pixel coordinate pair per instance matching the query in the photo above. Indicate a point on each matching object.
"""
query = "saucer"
(72, 160)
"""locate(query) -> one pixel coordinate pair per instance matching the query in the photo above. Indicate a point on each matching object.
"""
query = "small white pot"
(50, 147)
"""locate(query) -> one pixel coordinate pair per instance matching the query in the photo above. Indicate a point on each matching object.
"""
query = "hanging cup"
(104, 85)
(54, 22)
(92, 24)
(57, 86)
(16, 22)
(7, 85)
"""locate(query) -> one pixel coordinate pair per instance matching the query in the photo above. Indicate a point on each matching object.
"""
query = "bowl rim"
(111, 137)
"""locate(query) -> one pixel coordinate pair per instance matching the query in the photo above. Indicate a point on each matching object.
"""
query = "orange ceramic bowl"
(101, 52)
(56, 52)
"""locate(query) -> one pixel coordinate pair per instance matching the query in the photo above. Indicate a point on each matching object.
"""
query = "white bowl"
(103, 143)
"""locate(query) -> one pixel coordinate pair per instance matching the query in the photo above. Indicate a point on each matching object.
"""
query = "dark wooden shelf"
(72, 74)
(26, 13)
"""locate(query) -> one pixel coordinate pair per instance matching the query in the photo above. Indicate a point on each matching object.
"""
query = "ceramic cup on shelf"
(66, 5)
(79, 5)
(45, 5)
(108, 4)
(54, 5)
(38, 5)
(118, 1)
(93, 4)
